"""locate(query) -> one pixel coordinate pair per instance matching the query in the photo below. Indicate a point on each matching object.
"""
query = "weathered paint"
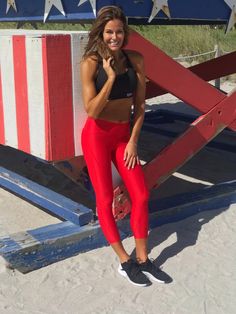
(41, 196)
(33, 249)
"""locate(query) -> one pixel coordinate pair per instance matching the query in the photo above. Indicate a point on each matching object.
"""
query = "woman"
(113, 82)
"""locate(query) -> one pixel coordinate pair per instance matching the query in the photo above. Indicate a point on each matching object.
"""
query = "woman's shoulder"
(91, 60)
(89, 64)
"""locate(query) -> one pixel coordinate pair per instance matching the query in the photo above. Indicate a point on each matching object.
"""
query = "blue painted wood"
(53, 202)
(184, 10)
(152, 124)
(223, 192)
(27, 251)
(181, 206)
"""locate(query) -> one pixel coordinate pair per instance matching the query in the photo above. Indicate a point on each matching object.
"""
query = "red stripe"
(58, 97)
(2, 133)
(21, 93)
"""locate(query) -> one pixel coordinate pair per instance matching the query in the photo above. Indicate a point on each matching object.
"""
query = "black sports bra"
(124, 84)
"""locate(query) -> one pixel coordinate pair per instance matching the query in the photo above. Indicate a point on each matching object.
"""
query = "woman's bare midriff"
(117, 110)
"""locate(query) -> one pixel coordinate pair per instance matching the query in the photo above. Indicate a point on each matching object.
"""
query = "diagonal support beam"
(209, 70)
(200, 132)
(219, 109)
(174, 78)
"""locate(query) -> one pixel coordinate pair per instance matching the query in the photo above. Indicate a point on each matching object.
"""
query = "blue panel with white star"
(138, 11)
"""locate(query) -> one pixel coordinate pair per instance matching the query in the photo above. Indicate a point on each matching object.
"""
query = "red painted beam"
(209, 70)
(169, 75)
(217, 67)
(173, 77)
(200, 132)
(219, 109)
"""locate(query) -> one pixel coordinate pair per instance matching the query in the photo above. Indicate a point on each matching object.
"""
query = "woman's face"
(113, 34)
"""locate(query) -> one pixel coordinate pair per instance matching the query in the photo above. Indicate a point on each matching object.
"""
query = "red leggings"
(104, 142)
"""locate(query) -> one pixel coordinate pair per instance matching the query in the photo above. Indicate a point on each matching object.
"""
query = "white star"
(92, 2)
(232, 19)
(159, 5)
(48, 6)
(11, 3)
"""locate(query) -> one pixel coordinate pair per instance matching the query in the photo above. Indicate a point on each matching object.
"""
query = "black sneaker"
(153, 272)
(132, 272)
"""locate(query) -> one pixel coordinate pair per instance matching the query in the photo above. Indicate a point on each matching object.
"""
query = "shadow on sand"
(185, 232)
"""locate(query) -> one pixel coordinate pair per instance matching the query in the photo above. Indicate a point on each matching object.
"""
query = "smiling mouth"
(115, 43)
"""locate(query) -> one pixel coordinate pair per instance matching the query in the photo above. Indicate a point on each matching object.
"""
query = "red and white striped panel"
(41, 109)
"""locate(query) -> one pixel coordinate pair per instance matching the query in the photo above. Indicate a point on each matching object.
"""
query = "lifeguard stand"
(41, 113)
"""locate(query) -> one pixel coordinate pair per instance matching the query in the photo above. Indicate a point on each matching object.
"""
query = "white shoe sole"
(152, 278)
(124, 274)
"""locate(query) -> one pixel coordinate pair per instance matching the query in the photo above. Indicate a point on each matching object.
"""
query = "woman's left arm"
(131, 157)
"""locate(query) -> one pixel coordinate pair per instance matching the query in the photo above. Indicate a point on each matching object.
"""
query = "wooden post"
(217, 54)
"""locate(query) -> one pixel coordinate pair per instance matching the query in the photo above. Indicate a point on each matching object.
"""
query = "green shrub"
(175, 40)
(178, 40)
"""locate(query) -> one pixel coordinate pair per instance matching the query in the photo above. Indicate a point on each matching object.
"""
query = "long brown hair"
(96, 46)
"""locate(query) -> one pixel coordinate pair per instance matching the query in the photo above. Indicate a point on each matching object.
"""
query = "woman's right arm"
(95, 102)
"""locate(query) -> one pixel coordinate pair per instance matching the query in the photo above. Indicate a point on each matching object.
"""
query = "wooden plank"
(34, 69)
(30, 250)
(47, 199)
(21, 92)
(8, 91)
(33, 249)
(58, 96)
(179, 121)
(200, 132)
(208, 70)
(173, 77)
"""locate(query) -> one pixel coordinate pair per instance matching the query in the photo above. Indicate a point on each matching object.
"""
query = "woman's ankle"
(124, 259)
(142, 259)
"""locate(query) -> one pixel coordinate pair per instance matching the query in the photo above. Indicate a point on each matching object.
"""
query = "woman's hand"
(108, 68)
(130, 155)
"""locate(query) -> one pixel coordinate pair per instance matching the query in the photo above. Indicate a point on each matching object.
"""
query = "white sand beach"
(198, 252)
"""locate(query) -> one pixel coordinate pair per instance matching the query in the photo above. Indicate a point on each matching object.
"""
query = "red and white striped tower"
(41, 111)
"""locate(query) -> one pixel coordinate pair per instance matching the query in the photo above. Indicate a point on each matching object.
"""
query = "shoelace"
(134, 269)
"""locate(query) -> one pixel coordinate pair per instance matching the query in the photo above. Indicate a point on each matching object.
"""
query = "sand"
(198, 253)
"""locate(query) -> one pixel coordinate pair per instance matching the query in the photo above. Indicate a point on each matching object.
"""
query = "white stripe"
(34, 69)
(78, 42)
(8, 91)
(191, 179)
